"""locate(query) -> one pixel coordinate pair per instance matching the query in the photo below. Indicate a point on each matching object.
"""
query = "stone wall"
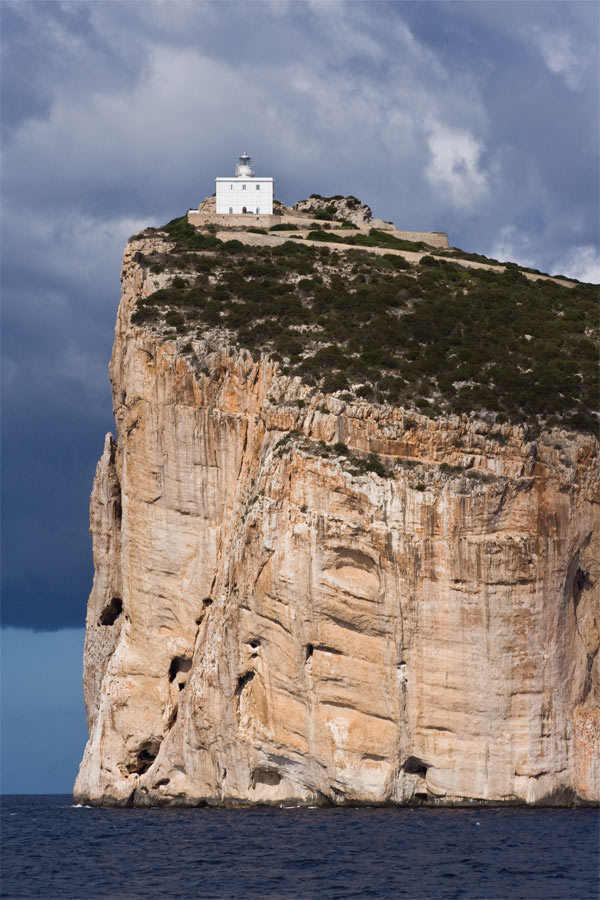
(202, 219)
(206, 218)
(434, 238)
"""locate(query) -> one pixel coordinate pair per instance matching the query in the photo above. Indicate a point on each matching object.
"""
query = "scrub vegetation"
(375, 238)
(435, 337)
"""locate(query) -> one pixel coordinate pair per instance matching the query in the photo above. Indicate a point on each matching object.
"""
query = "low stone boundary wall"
(434, 238)
(203, 218)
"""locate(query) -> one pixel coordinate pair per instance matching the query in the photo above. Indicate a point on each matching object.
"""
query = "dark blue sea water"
(54, 850)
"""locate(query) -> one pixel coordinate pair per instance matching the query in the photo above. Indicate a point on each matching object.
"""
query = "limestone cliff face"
(267, 625)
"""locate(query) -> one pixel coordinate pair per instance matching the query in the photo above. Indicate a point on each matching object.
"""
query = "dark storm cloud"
(476, 118)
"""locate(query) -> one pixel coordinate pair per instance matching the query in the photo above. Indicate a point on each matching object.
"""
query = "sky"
(479, 119)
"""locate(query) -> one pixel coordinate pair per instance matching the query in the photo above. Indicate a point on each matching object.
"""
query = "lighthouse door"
(244, 209)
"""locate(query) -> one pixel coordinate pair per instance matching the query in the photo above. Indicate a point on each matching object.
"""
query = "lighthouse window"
(243, 187)
(231, 209)
(230, 187)
(258, 187)
(257, 210)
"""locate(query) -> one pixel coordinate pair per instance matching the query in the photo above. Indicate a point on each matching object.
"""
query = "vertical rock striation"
(268, 624)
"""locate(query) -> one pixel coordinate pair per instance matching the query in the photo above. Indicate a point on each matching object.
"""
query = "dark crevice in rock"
(145, 756)
(179, 664)
(111, 613)
(347, 556)
(308, 652)
(415, 766)
(324, 649)
(243, 681)
(205, 604)
(268, 777)
(581, 581)
(587, 687)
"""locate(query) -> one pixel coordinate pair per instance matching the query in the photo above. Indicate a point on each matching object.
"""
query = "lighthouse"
(244, 193)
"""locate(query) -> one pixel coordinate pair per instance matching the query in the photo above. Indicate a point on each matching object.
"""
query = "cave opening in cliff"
(580, 583)
(243, 680)
(415, 766)
(205, 604)
(269, 777)
(145, 757)
(111, 613)
(179, 665)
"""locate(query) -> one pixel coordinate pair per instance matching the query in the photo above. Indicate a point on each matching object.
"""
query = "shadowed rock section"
(266, 626)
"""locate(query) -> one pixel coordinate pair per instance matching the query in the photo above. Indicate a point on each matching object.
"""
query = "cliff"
(309, 595)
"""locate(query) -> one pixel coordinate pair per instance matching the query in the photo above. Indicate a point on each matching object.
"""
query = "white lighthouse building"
(244, 193)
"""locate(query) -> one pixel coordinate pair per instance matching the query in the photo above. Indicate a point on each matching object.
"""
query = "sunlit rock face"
(347, 208)
(267, 625)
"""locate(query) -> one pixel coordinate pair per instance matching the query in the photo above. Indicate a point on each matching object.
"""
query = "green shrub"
(335, 381)
(185, 235)
(234, 246)
(398, 262)
(212, 312)
(374, 464)
(144, 314)
(340, 449)
(204, 264)
(174, 319)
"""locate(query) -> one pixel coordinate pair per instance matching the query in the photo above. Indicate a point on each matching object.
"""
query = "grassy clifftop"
(433, 336)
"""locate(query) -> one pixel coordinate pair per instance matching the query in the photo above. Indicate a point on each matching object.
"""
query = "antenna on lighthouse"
(244, 167)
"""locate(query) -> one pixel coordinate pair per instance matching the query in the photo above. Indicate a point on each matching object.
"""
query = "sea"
(52, 848)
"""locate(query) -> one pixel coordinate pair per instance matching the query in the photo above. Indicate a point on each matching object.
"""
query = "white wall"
(233, 194)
